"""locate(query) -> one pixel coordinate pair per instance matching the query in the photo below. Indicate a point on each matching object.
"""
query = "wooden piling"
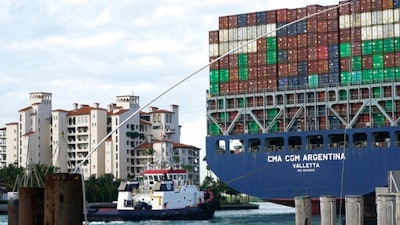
(63, 199)
(303, 210)
(328, 210)
(385, 209)
(354, 209)
(30, 207)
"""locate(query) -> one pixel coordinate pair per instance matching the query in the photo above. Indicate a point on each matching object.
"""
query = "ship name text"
(306, 157)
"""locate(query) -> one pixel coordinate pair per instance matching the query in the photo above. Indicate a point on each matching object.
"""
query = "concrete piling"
(303, 210)
(30, 207)
(13, 208)
(385, 209)
(63, 199)
(354, 209)
(328, 210)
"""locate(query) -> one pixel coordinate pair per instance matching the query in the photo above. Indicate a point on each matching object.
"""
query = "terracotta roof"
(161, 111)
(180, 145)
(60, 110)
(145, 122)
(29, 133)
(12, 123)
(163, 171)
(25, 109)
(144, 146)
(84, 110)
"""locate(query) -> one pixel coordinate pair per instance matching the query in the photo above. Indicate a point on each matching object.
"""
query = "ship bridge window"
(274, 144)
(294, 143)
(220, 147)
(338, 141)
(380, 140)
(236, 146)
(315, 142)
(254, 145)
(360, 140)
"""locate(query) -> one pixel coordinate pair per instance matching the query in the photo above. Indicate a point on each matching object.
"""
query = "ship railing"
(294, 147)
(273, 148)
(360, 144)
(254, 149)
(314, 146)
(380, 144)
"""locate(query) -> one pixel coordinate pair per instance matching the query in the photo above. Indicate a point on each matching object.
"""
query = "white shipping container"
(242, 33)
(223, 35)
(366, 33)
(396, 15)
(242, 49)
(366, 19)
(223, 48)
(271, 30)
(251, 32)
(233, 34)
(387, 16)
(355, 20)
(252, 47)
(388, 30)
(396, 29)
(377, 32)
(344, 21)
(377, 17)
(214, 50)
(233, 45)
(261, 30)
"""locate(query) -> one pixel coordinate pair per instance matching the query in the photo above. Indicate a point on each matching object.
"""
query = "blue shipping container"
(261, 18)
(282, 31)
(302, 27)
(302, 81)
(283, 83)
(333, 51)
(323, 79)
(292, 29)
(302, 68)
(282, 56)
(396, 4)
(333, 65)
(242, 20)
(293, 82)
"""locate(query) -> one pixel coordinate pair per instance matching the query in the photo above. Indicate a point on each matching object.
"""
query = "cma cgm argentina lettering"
(310, 105)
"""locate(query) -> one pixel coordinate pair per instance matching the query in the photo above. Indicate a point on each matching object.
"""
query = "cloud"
(101, 19)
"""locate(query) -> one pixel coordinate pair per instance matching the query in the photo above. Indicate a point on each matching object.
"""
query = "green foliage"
(102, 189)
(10, 174)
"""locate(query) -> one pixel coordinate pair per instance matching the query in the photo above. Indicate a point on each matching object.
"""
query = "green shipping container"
(214, 88)
(242, 60)
(367, 47)
(345, 78)
(356, 77)
(253, 127)
(377, 92)
(366, 76)
(271, 44)
(214, 130)
(243, 73)
(223, 116)
(377, 61)
(343, 95)
(379, 120)
(397, 44)
(388, 45)
(377, 75)
(224, 75)
(271, 113)
(220, 104)
(241, 103)
(274, 127)
(397, 73)
(345, 50)
(313, 81)
(356, 63)
(389, 74)
(272, 57)
(389, 106)
(214, 76)
(377, 46)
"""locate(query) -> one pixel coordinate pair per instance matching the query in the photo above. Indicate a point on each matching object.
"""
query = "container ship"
(310, 105)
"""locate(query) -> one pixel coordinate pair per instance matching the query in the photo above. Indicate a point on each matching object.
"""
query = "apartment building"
(3, 152)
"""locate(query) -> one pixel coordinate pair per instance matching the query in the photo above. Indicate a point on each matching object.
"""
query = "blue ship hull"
(285, 174)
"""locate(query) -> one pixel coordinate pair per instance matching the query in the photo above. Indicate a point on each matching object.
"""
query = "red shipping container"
(252, 59)
(389, 60)
(243, 86)
(302, 54)
(376, 5)
(322, 15)
(281, 15)
(224, 88)
(333, 38)
(262, 85)
(323, 52)
(233, 60)
(344, 64)
(233, 74)
(333, 13)
(251, 19)
(233, 86)
(261, 45)
(356, 34)
(313, 66)
(333, 25)
(323, 66)
(302, 40)
(312, 39)
(223, 22)
(262, 72)
(292, 68)
(282, 42)
(252, 72)
(282, 69)
(224, 62)
(252, 86)
(261, 58)
(366, 62)
(272, 71)
(365, 6)
(345, 35)
(322, 26)
(301, 13)
(271, 16)
(356, 48)
(291, 15)
(292, 55)
(312, 9)
(272, 84)
(215, 65)
(213, 36)
(312, 25)
(397, 58)
(387, 4)
(312, 53)
(322, 38)
(344, 9)
(233, 21)
(292, 42)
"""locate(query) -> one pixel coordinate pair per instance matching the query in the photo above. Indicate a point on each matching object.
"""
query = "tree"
(10, 175)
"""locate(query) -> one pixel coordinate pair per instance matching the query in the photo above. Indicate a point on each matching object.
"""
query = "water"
(268, 213)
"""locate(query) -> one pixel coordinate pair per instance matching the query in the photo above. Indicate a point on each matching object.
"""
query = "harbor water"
(268, 213)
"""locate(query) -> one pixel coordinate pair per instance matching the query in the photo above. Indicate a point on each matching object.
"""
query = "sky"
(87, 51)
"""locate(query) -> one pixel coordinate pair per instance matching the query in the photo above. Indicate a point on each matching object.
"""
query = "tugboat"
(156, 195)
